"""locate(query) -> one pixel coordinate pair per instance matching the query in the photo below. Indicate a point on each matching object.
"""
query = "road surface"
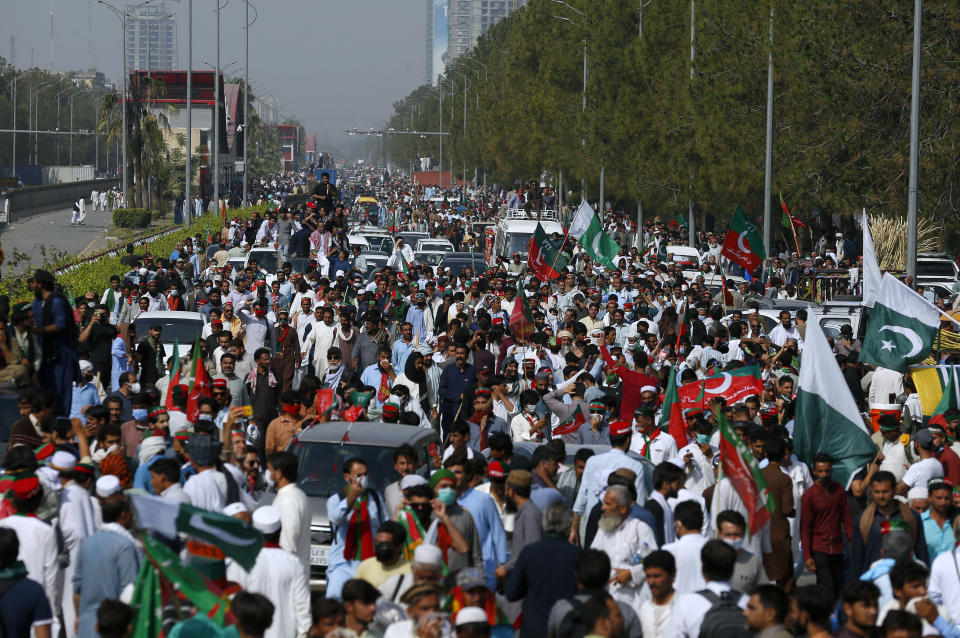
(52, 231)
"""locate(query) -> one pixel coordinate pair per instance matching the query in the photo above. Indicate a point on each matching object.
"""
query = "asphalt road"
(52, 231)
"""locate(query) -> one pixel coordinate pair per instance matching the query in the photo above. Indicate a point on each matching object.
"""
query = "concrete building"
(151, 40)
(469, 19)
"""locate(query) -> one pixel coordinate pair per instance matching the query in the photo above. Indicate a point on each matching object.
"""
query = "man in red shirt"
(947, 457)
(824, 521)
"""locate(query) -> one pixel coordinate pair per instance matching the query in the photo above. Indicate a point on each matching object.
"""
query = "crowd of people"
(609, 527)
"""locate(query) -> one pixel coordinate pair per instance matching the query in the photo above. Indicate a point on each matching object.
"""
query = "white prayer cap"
(267, 519)
(339, 274)
(919, 492)
(648, 388)
(471, 615)
(108, 485)
(85, 365)
(62, 461)
(411, 480)
(426, 554)
(234, 508)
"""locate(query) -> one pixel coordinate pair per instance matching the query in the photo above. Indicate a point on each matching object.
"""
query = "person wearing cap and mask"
(422, 604)
(84, 392)
(426, 567)
(280, 577)
(108, 561)
(649, 440)
(207, 488)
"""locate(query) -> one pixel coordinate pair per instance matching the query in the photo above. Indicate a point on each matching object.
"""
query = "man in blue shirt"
(402, 347)
(84, 392)
(486, 517)
(453, 381)
(937, 528)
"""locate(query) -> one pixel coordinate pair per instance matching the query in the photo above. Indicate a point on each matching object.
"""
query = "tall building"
(152, 37)
(437, 34)
(469, 19)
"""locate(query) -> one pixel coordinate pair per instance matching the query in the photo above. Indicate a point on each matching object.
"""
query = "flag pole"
(566, 236)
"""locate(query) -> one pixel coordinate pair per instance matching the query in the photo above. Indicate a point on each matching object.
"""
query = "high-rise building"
(152, 37)
(437, 34)
(469, 19)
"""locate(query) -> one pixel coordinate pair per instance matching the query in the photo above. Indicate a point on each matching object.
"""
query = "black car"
(458, 262)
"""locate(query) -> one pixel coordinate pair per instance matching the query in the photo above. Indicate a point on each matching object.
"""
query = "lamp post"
(583, 106)
(768, 159)
(246, 90)
(66, 90)
(35, 94)
(122, 16)
(70, 102)
(14, 154)
(914, 145)
(466, 87)
(187, 201)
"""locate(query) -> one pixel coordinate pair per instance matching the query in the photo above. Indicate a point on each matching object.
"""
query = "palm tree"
(145, 126)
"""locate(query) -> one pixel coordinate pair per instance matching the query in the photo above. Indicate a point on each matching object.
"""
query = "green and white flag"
(827, 418)
(901, 329)
(587, 229)
(237, 539)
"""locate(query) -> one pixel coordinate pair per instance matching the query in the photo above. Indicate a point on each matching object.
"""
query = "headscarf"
(418, 376)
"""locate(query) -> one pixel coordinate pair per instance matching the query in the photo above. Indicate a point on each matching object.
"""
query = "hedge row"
(131, 218)
(95, 275)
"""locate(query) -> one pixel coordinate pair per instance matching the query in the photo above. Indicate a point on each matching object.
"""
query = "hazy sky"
(333, 64)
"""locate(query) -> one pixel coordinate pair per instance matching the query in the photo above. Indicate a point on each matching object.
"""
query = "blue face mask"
(703, 439)
(139, 414)
(447, 495)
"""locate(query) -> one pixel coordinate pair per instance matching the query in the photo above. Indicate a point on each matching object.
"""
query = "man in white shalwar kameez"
(77, 522)
(626, 541)
(280, 577)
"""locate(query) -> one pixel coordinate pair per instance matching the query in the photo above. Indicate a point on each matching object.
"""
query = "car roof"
(466, 256)
(530, 225)
(366, 433)
(169, 314)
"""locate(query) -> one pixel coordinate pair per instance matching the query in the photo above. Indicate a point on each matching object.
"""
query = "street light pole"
(246, 92)
(216, 118)
(66, 90)
(914, 145)
(693, 25)
(34, 98)
(14, 155)
(768, 167)
(187, 202)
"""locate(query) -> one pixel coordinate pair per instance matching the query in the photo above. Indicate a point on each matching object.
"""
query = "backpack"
(571, 625)
(724, 619)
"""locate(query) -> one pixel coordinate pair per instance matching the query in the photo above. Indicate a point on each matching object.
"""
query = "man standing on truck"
(325, 193)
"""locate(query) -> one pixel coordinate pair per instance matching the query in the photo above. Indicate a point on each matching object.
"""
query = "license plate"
(318, 556)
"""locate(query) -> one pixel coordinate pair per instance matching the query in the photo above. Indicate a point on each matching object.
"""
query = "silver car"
(324, 448)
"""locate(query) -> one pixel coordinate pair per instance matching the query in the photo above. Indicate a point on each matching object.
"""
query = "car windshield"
(299, 264)
(458, 265)
(267, 261)
(436, 245)
(518, 243)
(432, 259)
(321, 466)
(183, 330)
(379, 242)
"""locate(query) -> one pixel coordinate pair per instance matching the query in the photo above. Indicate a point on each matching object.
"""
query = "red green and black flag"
(521, 319)
(544, 259)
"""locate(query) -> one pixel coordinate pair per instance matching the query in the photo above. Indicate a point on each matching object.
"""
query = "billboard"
(441, 23)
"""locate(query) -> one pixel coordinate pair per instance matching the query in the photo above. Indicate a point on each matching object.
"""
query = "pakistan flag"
(901, 329)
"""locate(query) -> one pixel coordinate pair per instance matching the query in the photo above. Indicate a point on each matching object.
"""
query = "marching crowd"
(620, 523)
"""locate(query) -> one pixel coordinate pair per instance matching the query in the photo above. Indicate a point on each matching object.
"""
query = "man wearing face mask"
(649, 440)
(388, 560)
(824, 523)
(288, 350)
(98, 336)
(258, 327)
(84, 392)
(345, 511)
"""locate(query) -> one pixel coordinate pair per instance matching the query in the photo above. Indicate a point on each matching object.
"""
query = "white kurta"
(207, 490)
(686, 551)
(77, 522)
(38, 551)
(294, 523)
(279, 576)
(659, 449)
(626, 547)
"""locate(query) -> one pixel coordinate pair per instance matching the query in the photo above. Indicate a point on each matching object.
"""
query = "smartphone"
(248, 411)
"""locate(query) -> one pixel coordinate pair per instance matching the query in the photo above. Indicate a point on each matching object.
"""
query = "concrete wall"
(41, 199)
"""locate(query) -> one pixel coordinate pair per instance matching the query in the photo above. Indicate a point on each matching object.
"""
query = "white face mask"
(735, 543)
(530, 409)
(362, 481)
(135, 388)
(267, 478)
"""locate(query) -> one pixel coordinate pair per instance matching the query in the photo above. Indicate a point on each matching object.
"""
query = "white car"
(434, 245)
(176, 325)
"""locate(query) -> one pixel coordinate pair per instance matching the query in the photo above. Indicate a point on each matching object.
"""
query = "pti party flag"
(521, 319)
(826, 415)
(211, 601)
(734, 386)
(174, 376)
(404, 264)
(544, 259)
(148, 603)
(739, 465)
(671, 416)
(872, 277)
(236, 538)
(789, 220)
(743, 243)
(949, 401)
(901, 328)
(325, 402)
(200, 387)
(587, 229)
(679, 220)
(572, 423)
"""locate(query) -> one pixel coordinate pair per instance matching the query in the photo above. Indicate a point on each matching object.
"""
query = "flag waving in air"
(521, 319)
(740, 466)
(174, 377)
(200, 386)
(734, 386)
(544, 259)
(901, 328)
(671, 417)
(571, 424)
(949, 402)
(743, 243)
(829, 416)
(789, 220)
(587, 229)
